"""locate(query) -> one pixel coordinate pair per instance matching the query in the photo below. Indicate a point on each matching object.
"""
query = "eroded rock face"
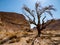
(13, 21)
(54, 25)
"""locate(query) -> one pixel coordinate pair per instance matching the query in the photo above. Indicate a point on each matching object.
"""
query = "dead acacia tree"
(37, 14)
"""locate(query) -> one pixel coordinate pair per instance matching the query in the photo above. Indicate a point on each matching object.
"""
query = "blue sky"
(16, 5)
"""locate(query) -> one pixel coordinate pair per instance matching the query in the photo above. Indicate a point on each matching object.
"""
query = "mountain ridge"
(14, 20)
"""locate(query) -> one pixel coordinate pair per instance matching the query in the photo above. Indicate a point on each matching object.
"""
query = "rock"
(13, 21)
(55, 24)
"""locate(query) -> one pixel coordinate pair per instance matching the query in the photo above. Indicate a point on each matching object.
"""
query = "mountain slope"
(55, 25)
(13, 21)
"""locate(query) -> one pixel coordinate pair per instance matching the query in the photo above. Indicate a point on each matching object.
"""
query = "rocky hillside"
(13, 21)
(12, 32)
(55, 24)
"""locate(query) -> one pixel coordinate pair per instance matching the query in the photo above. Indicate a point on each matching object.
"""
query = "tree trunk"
(39, 30)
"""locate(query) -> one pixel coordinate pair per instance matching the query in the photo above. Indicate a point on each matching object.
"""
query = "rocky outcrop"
(13, 21)
(55, 24)
(12, 27)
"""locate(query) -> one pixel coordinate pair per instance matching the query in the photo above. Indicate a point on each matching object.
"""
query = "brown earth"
(13, 21)
(55, 24)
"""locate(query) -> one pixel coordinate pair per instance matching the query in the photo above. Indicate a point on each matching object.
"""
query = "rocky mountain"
(14, 26)
(55, 24)
(13, 21)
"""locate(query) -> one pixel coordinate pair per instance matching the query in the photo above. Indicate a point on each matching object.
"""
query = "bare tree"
(37, 14)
